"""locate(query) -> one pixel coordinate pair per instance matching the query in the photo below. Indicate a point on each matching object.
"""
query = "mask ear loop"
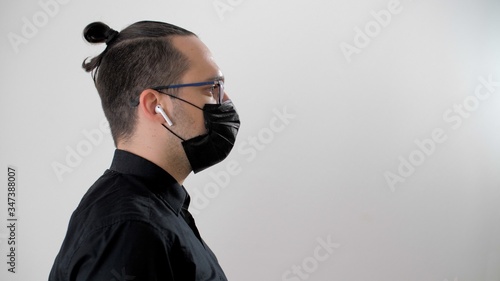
(172, 132)
(172, 96)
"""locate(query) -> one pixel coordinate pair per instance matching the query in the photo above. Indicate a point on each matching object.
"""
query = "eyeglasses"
(217, 89)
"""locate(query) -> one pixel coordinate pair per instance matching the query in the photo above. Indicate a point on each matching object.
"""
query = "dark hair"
(139, 57)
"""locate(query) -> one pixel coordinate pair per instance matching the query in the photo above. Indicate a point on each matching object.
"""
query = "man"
(163, 96)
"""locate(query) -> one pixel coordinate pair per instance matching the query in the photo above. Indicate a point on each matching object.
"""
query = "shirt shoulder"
(115, 198)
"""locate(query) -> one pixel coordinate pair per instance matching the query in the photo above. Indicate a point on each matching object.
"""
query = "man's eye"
(210, 90)
(213, 88)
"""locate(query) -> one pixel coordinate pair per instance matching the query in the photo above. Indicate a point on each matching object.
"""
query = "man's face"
(202, 67)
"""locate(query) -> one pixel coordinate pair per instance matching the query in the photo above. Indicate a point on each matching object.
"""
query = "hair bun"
(98, 32)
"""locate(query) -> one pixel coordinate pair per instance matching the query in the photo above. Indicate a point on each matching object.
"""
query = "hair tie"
(110, 36)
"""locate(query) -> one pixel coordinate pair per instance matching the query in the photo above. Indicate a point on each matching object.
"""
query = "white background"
(318, 174)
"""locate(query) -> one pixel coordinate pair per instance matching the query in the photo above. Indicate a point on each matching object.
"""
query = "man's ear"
(148, 101)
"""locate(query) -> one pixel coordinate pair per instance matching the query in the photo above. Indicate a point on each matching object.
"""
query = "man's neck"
(172, 164)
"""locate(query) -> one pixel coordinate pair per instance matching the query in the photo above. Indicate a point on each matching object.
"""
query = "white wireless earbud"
(160, 110)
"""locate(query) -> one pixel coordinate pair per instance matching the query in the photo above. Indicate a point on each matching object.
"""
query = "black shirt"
(133, 224)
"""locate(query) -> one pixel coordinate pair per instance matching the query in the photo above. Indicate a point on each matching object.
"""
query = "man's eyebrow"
(216, 78)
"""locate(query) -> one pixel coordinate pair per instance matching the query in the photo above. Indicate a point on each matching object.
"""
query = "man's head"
(139, 57)
(153, 70)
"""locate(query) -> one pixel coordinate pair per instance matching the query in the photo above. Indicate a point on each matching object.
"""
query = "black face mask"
(222, 123)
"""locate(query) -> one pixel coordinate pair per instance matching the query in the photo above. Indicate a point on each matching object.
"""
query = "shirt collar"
(157, 180)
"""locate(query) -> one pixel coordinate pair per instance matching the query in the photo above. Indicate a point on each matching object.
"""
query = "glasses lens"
(220, 94)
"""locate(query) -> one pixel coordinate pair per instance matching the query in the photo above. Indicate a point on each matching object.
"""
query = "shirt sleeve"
(131, 250)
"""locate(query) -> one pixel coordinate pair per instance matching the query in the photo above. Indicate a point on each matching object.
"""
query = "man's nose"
(225, 97)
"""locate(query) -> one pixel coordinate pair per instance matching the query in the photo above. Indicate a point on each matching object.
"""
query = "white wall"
(321, 131)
